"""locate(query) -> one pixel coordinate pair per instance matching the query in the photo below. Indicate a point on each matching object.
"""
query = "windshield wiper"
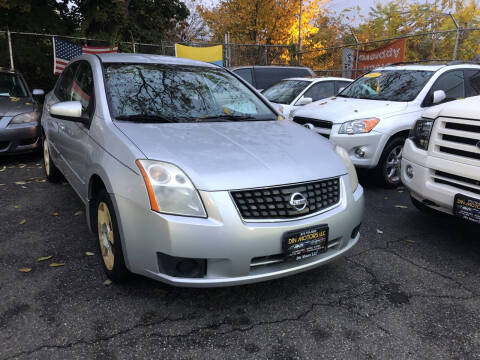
(145, 118)
(226, 117)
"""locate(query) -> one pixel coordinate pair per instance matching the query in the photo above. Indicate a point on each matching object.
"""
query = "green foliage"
(112, 20)
(118, 20)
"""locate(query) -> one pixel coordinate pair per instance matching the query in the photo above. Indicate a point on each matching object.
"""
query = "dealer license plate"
(305, 243)
(467, 208)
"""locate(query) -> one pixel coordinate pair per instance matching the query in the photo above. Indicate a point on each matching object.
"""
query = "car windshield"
(285, 91)
(174, 93)
(12, 85)
(391, 85)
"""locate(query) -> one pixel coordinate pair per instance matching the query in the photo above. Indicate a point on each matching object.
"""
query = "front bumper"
(19, 138)
(423, 186)
(229, 244)
(371, 144)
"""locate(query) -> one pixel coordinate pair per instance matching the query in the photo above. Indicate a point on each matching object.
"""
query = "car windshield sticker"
(373, 75)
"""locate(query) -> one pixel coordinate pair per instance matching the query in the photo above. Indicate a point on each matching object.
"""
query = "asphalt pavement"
(409, 290)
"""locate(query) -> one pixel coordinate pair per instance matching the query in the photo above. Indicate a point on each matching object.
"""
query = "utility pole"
(457, 34)
(300, 35)
(10, 49)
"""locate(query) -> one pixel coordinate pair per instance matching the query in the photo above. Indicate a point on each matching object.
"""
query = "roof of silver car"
(150, 59)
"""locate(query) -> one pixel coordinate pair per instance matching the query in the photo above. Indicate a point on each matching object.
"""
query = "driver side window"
(64, 85)
(320, 91)
(82, 87)
(452, 83)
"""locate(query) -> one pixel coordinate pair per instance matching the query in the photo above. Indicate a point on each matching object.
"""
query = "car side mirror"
(304, 101)
(68, 110)
(38, 92)
(438, 96)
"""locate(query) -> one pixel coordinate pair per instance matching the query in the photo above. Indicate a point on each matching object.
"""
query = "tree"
(192, 29)
(268, 22)
(33, 55)
(119, 20)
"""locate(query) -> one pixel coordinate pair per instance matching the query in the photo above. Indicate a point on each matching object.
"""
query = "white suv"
(372, 117)
(441, 159)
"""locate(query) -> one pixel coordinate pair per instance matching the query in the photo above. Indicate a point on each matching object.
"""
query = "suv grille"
(274, 202)
(459, 139)
(459, 182)
(323, 127)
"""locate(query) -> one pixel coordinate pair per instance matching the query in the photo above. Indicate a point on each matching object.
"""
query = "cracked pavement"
(411, 292)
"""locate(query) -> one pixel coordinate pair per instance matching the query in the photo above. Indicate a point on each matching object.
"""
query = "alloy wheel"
(46, 157)
(106, 235)
(392, 165)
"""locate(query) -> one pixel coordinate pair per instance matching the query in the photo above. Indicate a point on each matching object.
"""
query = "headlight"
(358, 126)
(25, 118)
(170, 190)
(352, 173)
(420, 134)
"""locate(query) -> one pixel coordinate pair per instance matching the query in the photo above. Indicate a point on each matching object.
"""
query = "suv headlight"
(352, 173)
(25, 118)
(170, 190)
(358, 126)
(420, 134)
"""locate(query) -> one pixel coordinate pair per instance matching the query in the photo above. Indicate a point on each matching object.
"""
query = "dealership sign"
(392, 53)
(367, 60)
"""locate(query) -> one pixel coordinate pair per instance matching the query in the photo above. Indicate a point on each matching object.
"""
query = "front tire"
(388, 170)
(109, 243)
(51, 171)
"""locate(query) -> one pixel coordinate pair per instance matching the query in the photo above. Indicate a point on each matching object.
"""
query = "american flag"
(64, 51)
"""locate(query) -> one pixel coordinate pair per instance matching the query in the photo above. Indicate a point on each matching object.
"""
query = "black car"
(262, 77)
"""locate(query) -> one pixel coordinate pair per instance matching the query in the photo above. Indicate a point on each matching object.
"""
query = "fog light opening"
(409, 171)
(182, 267)
(360, 152)
(355, 231)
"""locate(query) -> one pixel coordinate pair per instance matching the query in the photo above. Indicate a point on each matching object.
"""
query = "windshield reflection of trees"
(392, 85)
(171, 92)
(285, 92)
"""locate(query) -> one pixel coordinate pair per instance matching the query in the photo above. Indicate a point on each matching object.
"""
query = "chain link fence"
(33, 53)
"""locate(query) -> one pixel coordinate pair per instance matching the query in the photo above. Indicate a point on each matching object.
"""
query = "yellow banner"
(211, 54)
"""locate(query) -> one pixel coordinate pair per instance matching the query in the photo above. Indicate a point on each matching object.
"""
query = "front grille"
(322, 127)
(322, 124)
(274, 202)
(467, 154)
(463, 127)
(458, 139)
(459, 182)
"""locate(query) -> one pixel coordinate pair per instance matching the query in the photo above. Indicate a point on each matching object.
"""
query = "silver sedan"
(19, 115)
(189, 176)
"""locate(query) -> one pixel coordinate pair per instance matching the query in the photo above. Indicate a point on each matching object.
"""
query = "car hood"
(240, 155)
(11, 106)
(463, 109)
(339, 109)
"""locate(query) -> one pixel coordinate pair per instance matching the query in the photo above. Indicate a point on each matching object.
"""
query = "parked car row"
(378, 120)
(372, 117)
(192, 177)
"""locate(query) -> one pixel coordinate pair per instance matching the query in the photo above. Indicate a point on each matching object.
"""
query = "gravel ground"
(409, 290)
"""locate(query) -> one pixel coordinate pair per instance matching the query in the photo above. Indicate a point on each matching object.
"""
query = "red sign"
(392, 53)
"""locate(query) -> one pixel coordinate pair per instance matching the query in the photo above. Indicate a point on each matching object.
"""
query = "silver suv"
(189, 177)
